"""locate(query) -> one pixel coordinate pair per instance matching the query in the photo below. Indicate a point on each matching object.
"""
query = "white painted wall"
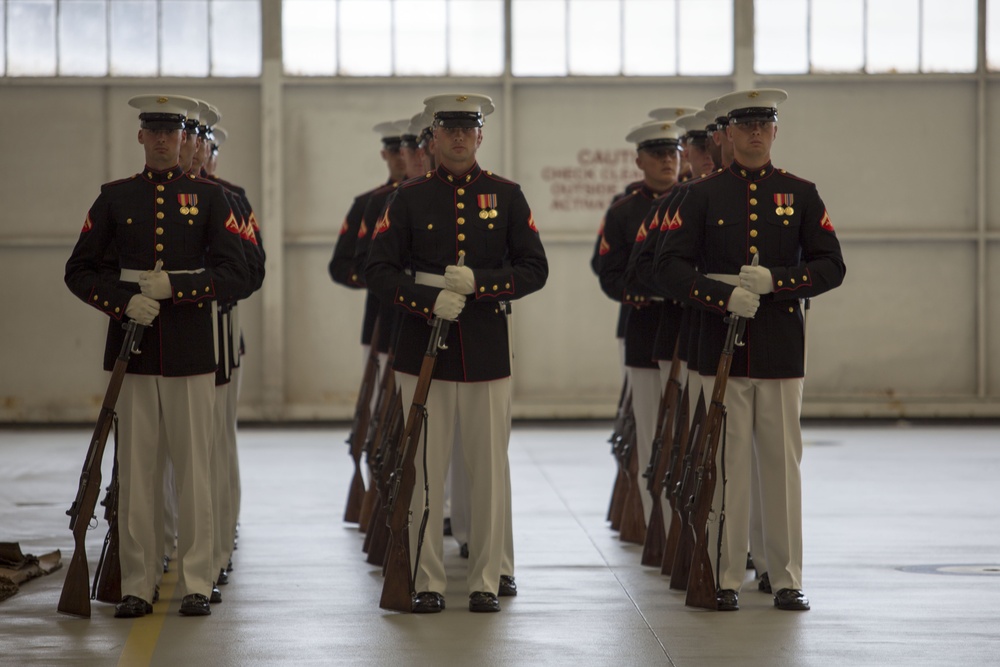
(897, 159)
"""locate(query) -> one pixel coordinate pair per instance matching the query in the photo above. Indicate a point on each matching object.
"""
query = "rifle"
(397, 590)
(680, 565)
(701, 588)
(373, 436)
(660, 464)
(671, 481)
(378, 531)
(633, 519)
(618, 491)
(108, 582)
(75, 598)
(359, 429)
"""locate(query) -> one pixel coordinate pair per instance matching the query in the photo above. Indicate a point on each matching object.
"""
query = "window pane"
(539, 37)
(365, 37)
(949, 39)
(236, 38)
(780, 36)
(83, 38)
(32, 34)
(595, 37)
(706, 37)
(420, 37)
(133, 38)
(184, 36)
(650, 37)
(476, 37)
(993, 34)
(309, 36)
(892, 36)
(838, 33)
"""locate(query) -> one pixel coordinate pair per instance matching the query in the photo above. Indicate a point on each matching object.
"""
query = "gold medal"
(779, 211)
(194, 210)
(484, 214)
(493, 213)
(789, 210)
(184, 210)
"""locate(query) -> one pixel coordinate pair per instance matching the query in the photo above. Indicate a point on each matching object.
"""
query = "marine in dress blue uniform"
(658, 156)
(459, 211)
(159, 248)
(751, 208)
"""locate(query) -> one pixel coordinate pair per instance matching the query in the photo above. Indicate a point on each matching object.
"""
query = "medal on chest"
(487, 206)
(784, 202)
(189, 204)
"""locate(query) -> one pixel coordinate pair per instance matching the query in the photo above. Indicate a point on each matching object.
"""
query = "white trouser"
(645, 383)
(221, 493)
(762, 418)
(696, 383)
(456, 493)
(183, 407)
(235, 487)
(169, 504)
(481, 413)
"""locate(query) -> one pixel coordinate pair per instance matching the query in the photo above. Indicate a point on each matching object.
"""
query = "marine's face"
(752, 141)
(458, 144)
(659, 166)
(162, 147)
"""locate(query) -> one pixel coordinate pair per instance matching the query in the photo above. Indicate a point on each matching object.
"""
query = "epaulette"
(119, 182)
(797, 178)
(409, 183)
(621, 201)
(501, 179)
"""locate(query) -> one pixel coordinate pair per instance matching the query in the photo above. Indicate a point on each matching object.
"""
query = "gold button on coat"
(461, 237)
(159, 247)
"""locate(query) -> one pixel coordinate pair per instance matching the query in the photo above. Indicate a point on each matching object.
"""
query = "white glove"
(743, 303)
(142, 309)
(459, 279)
(155, 284)
(756, 279)
(449, 305)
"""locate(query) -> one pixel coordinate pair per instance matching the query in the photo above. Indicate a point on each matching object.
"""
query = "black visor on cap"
(408, 141)
(161, 121)
(391, 143)
(192, 126)
(753, 113)
(659, 143)
(458, 119)
(426, 134)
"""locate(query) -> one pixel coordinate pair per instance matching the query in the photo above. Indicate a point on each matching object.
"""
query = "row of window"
(198, 38)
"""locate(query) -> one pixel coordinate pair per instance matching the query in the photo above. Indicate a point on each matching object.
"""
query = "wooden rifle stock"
(659, 465)
(75, 597)
(378, 531)
(397, 589)
(702, 586)
(359, 429)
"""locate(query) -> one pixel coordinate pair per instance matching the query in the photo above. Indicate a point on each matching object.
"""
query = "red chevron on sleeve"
(531, 222)
(825, 222)
(87, 225)
(232, 224)
(343, 227)
(382, 225)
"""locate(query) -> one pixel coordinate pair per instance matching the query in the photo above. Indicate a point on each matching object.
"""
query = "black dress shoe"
(483, 602)
(764, 585)
(223, 577)
(132, 607)
(791, 599)
(463, 550)
(427, 602)
(728, 600)
(166, 563)
(447, 526)
(750, 564)
(229, 566)
(195, 604)
(216, 596)
(507, 586)
(156, 594)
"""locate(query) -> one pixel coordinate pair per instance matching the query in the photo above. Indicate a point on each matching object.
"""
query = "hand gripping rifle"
(359, 429)
(701, 587)
(397, 589)
(75, 598)
(660, 464)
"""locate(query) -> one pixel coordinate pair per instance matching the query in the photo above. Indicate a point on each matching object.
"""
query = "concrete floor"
(887, 507)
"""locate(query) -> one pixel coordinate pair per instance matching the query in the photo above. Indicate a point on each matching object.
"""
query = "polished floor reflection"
(902, 540)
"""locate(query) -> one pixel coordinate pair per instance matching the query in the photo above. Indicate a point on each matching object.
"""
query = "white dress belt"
(728, 278)
(132, 275)
(429, 279)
